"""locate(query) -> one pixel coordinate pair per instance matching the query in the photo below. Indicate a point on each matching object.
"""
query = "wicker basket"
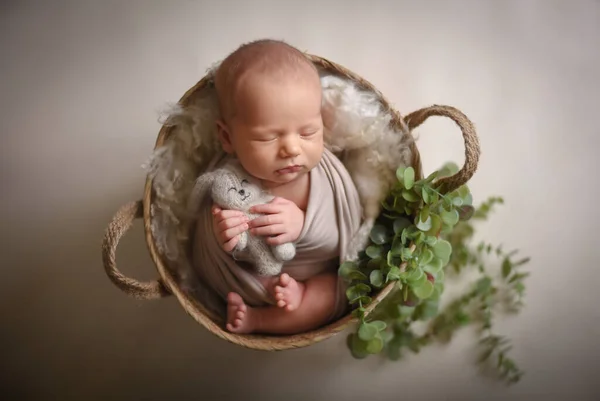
(166, 284)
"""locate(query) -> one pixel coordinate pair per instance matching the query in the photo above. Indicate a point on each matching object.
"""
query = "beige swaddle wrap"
(333, 216)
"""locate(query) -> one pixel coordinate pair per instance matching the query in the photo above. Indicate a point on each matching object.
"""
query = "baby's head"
(270, 101)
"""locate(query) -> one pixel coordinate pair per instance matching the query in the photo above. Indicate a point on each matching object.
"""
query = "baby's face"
(277, 133)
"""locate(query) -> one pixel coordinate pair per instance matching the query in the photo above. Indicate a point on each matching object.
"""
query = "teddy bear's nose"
(242, 192)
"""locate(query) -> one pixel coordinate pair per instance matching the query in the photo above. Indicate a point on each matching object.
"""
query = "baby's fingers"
(273, 229)
(230, 233)
(266, 220)
(232, 222)
(279, 239)
(266, 208)
(221, 214)
(229, 245)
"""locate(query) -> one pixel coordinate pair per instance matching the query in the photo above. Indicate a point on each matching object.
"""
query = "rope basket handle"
(120, 224)
(472, 149)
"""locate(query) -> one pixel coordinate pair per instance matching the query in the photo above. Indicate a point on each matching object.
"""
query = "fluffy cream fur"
(357, 130)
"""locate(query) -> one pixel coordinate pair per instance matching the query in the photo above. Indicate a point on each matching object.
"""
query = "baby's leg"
(316, 304)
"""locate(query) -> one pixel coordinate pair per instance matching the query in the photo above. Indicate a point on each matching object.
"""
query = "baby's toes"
(285, 279)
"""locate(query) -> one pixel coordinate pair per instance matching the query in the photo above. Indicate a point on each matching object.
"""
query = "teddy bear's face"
(233, 190)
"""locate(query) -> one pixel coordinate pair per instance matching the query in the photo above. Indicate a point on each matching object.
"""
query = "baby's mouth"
(245, 197)
(289, 169)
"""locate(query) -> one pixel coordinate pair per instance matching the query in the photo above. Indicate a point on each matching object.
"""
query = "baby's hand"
(283, 221)
(228, 225)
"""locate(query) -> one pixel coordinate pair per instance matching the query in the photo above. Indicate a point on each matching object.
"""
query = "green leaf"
(420, 238)
(400, 173)
(439, 279)
(406, 311)
(375, 345)
(376, 278)
(448, 169)
(430, 240)
(417, 277)
(347, 267)
(424, 214)
(400, 224)
(483, 285)
(367, 331)
(393, 274)
(424, 290)
(363, 288)
(450, 218)
(442, 249)
(374, 251)
(354, 292)
(447, 202)
(436, 225)
(425, 195)
(409, 178)
(379, 234)
(468, 200)
(434, 266)
(424, 226)
(365, 300)
(457, 201)
(406, 254)
(518, 276)
(409, 195)
(356, 275)
(396, 246)
(462, 191)
(379, 324)
(506, 268)
(426, 257)
(432, 176)
(427, 310)
(462, 318)
(358, 348)
(521, 262)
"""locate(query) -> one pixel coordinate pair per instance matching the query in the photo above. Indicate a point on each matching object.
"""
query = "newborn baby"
(270, 102)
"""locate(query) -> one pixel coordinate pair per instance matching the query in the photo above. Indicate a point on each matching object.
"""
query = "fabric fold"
(332, 217)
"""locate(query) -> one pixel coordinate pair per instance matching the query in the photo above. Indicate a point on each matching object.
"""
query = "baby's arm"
(228, 226)
(282, 221)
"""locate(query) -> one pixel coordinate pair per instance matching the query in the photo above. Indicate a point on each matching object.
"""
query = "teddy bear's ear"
(235, 167)
(201, 186)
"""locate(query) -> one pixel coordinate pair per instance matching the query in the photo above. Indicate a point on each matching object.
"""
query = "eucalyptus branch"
(420, 236)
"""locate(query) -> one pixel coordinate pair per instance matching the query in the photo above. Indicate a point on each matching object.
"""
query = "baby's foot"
(238, 316)
(288, 293)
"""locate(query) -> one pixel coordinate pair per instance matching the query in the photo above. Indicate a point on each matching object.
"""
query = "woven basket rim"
(196, 310)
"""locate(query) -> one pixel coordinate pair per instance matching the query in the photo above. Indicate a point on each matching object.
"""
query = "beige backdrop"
(81, 87)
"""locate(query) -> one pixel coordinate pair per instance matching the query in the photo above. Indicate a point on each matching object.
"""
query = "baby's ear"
(224, 136)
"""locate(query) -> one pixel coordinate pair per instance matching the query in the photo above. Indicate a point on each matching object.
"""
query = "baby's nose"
(242, 192)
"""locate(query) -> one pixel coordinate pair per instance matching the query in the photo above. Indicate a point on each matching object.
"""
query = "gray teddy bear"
(231, 188)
